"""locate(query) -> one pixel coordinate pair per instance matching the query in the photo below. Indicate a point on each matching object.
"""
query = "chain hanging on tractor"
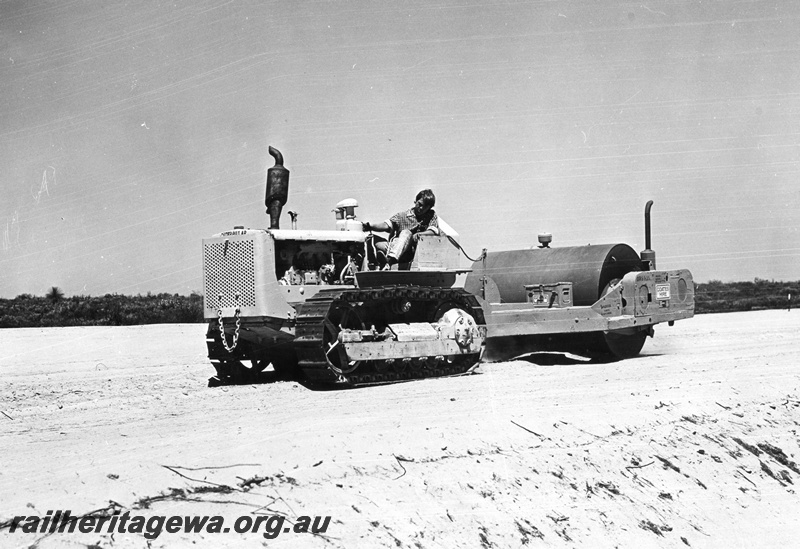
(222, 326)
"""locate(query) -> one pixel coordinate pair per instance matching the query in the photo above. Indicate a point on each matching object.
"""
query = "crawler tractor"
(315, 305)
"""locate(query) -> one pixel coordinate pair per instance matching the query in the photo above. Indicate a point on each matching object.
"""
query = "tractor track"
(316, 314)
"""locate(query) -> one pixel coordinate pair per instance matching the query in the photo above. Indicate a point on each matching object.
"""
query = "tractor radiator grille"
(229, 268)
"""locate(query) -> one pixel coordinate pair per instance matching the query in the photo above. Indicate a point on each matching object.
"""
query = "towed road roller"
(315, 306)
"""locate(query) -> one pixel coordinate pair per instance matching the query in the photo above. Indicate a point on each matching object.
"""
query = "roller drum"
(589, 268)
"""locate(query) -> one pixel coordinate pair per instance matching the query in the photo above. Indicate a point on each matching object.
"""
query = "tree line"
(54, 309)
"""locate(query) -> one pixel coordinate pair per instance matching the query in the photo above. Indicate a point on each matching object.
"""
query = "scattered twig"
(268, 508)
(584, 431)
(106, 511)
(558, 518)
(247, 483)
(369, 500)
(399, 459)
(213, 466)
(323, 536)
(286, 503)
(723, 406)
(221, 502)
(8, 416)
(639, 466)
(746, 478)
(173, 494)
(526, 429)
(224, 486)
(696, 527)
(397, 541)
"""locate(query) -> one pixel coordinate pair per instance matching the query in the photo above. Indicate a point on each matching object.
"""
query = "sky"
(129, 131)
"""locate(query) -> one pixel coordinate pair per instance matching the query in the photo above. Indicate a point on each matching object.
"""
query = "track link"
(313, 349)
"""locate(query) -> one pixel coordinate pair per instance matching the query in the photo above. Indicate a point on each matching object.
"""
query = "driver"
(405, 228)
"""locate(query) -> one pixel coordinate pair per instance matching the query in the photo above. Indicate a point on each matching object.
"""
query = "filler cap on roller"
(545, 239)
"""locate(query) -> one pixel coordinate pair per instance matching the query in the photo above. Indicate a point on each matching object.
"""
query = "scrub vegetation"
(55, 309)
(719, 297)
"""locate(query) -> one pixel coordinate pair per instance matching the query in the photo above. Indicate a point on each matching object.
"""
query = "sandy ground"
(693, 444)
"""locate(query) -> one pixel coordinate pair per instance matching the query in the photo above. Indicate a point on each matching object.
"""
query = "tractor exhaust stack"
(277, 189)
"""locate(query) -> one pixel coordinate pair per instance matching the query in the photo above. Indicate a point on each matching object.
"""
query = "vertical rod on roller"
(648, 255)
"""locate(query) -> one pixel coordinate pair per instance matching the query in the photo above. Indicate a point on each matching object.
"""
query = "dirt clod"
(778, 455)
(668, 464)
(749, 447)
(655, 528)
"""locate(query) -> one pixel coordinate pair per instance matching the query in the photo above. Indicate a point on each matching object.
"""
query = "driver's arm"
(381, 227)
